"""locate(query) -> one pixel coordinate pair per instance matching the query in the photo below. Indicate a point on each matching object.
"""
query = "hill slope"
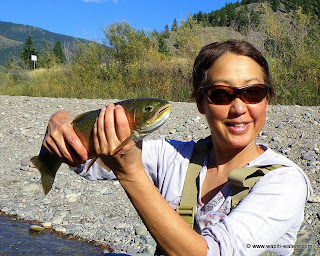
(13, 36)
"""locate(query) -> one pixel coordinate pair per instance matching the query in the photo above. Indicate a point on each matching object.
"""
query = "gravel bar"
(100, 210)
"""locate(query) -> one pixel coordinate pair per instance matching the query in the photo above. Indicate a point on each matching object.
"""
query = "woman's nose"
(238, 107)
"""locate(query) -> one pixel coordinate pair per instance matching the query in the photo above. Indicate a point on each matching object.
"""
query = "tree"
(174, 26)
(275, 5)
(162, 45)
(48, 59)
(27, 51)
(230, 12)
(166, 32)
(58, 52)
(254, 18)
(186, 39)
(223, 17)
(242, 21)
(126, 43)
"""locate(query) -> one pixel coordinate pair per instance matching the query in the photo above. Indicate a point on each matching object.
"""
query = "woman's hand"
(110, 129)
(61, 140)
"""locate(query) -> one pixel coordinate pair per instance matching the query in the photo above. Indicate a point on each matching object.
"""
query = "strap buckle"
(187, 213)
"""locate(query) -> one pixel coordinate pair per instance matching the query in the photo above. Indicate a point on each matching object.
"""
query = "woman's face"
(238, 124)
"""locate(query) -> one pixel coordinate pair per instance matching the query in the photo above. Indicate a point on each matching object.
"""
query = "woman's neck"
(232, 158)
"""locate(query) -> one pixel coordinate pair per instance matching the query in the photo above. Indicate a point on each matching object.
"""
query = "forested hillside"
(13, 36)
(242, 15)
(138, 63)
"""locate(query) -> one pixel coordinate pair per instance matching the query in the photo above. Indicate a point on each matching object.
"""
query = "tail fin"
(48, 165)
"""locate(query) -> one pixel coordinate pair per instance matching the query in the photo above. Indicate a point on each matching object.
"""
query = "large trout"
(144, 116)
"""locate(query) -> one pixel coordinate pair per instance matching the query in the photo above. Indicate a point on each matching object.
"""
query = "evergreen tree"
(166, 32)
(58, 52)
(275, 5)
(230, 12)
(27, 51)
(174, 25)
(223, 17)
(254, 18)
(10, 63)
(214, 18)
(162, 45)
(48, 59)
(242, 20)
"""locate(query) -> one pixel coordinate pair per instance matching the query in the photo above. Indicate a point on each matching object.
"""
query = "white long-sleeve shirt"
(270, 215)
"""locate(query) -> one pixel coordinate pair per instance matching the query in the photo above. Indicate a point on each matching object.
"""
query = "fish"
(144, 115)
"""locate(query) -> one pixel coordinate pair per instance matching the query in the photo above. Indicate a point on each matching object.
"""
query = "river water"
(17, 239)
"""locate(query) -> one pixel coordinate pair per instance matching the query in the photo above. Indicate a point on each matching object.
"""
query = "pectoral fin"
(114, 152)
(99, 162)
(91, 163)
(123, 143)
(102, 164)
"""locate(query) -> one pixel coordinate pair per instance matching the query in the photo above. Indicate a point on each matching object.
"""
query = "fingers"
(122, 124)
(99, 136)
(75, 146)
(62, 141)
(110, 129)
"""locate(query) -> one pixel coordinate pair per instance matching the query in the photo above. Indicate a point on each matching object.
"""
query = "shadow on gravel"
(17, 239)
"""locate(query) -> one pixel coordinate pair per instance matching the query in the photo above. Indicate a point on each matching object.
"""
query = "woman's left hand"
(110, 129)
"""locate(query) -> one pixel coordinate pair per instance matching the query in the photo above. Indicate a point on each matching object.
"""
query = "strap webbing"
(188, 203)
(243, 179)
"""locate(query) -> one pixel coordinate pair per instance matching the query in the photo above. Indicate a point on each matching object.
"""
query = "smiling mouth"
(237, 124)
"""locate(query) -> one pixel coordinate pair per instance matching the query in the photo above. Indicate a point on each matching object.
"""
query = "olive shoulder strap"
(243, 179)
(188, 203)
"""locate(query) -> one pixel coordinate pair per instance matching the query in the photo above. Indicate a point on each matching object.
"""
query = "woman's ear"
(267, 105)
(200, 105)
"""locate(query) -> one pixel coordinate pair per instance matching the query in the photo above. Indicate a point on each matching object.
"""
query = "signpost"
(34, 58)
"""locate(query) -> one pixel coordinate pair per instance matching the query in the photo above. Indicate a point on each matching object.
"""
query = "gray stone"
(61, 229)
(57, 220)
(141, 230)
(31, 187)
(309, 156)
(67, 191)
(47, 224)
(107, 192)
(181, 128)
(314, 199)
(26, 162)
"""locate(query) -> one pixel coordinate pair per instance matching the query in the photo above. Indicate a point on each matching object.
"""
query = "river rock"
(61, 229)
(36, 228)
(46, 224)
(31, 187)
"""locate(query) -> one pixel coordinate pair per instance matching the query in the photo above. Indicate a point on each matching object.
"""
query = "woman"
(232, 89)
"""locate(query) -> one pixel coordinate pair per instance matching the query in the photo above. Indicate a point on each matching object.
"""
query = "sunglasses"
(224, 95)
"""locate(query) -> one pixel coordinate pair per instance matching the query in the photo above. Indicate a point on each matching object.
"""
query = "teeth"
(239, 125)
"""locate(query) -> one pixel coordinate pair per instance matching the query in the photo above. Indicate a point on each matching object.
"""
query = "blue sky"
(85, 18)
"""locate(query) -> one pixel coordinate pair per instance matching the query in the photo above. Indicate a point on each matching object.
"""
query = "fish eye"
(149, 108)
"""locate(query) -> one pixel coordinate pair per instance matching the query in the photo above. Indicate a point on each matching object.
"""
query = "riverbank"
(100, 211)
